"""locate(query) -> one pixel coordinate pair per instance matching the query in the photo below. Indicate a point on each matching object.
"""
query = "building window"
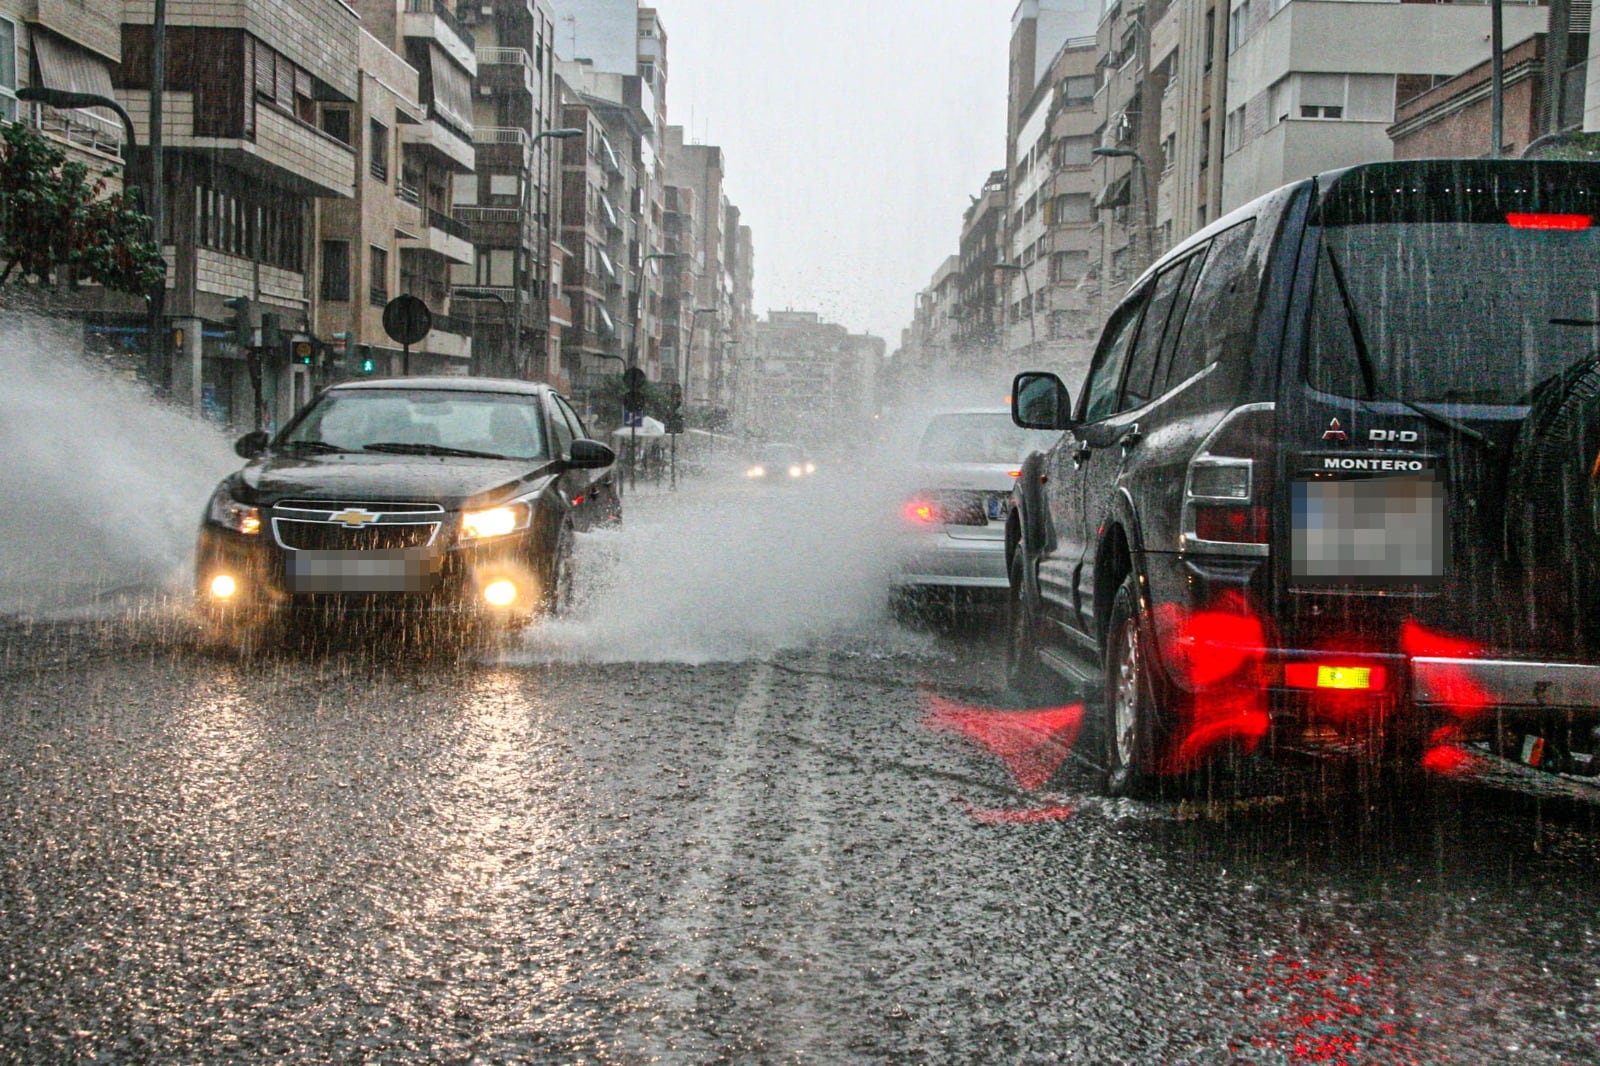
(336, 123)
(1238, 26)
(378, 276)
(1351, 97)
(1069, 208)
(336, 271)
(378, 150)
(1233, 131)
(1211, 36)
(1074, 151)
(8, 70)
(1077, 90)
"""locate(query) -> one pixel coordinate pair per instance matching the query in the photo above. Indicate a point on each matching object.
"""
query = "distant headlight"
(756, 471)
(811, 468)
(229, 513)
(797, 471)
(494, 521)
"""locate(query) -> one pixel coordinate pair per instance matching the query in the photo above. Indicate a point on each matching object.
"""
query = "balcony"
(507, 70)
(501, 149)
(432, 20)
(443, 236)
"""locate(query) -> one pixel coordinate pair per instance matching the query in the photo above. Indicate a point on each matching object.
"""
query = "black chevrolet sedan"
(453, 495)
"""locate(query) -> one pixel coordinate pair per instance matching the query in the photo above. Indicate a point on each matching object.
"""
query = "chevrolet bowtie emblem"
(354, 517)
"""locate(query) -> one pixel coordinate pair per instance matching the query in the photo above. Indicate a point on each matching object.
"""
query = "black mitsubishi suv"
(451, 495)
(1331, 481)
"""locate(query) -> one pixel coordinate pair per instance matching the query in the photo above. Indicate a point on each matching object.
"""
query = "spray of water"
(100, 486)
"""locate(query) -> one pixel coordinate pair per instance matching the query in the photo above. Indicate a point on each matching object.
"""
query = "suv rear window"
(1449, 288)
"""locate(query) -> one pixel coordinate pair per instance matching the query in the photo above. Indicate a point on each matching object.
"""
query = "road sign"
(406, 319)
(633, 418)
(633, 377)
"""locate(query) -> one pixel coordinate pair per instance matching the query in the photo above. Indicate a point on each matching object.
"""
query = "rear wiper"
(396, 447)
(321, 447)
(1369, 373)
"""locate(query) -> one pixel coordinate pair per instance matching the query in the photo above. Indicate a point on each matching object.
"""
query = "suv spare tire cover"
(1550, 503)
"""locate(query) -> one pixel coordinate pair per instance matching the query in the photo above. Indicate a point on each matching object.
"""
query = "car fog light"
(224, 587)
(500, 593)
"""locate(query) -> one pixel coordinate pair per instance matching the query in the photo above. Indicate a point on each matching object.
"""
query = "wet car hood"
(448, 480)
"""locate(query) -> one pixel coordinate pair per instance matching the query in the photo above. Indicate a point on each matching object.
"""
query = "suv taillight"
(1227, 492)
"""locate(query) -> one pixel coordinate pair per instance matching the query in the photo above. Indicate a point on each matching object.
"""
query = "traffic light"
(343, 349)
(239, 329)
(304, 352)
(368, 364)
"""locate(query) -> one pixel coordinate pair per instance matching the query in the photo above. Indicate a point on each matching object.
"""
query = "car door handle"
(1081, 454)
(1130, 437)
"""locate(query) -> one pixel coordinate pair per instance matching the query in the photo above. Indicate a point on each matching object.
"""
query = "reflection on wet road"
(337, 858)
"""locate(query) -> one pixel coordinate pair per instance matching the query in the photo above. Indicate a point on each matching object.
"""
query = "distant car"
(954, 518)
(780, 463)
(453, 495)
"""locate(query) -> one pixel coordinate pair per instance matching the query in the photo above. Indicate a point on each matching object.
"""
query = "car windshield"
(980, 437)
(422, 421)
(1416, 297)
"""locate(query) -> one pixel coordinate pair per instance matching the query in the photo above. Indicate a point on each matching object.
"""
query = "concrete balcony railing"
(445, 16)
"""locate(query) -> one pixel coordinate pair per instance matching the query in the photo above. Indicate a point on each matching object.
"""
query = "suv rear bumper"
(1511, 684)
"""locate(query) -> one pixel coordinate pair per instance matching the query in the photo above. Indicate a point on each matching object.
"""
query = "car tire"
(1024, 672)
(558, 586)
(1132, 713)
(1552, 512)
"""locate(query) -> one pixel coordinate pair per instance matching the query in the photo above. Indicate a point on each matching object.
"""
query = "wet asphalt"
(424, 855)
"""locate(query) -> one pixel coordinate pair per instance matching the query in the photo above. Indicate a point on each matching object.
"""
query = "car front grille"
(317, 526)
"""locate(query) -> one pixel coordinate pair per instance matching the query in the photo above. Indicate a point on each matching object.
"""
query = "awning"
(605, 319)
(452, 89)
(64, 65)
(611, 212)
(605, 263)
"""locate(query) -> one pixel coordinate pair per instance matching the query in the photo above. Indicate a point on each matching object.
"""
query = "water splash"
(101, 487)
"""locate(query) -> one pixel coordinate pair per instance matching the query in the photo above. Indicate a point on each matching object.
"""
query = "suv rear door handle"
(1081, 453)
(1130, 436)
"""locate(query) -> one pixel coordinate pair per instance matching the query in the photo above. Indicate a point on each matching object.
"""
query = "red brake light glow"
(1237, 525)
(921, 511)
(1547, 220)
(1016, 473)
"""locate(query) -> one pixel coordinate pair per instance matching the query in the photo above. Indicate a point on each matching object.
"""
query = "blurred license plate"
(1371, 529)
(362, 571)
(999, 505)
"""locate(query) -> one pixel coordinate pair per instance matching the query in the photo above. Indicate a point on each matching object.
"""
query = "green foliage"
(57, 227)
(607, 398)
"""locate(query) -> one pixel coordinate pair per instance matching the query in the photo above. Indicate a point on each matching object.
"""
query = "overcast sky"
(854, 133)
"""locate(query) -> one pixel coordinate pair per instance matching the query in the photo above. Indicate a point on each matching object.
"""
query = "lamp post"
(1027, 287)
(1146, 251)
(519, 363)
(65, 100)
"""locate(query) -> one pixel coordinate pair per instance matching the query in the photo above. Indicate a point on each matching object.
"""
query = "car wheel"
(1024, 672)
(1553, 511)
(1132, 713)
(558, 588)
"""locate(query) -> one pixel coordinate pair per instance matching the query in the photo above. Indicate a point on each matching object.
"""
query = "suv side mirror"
(251, 444)
(1040, 401)
(589, 455)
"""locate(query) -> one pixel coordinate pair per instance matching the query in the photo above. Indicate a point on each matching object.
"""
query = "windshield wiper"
(395, 447)
(321, 447)
(1369, 372)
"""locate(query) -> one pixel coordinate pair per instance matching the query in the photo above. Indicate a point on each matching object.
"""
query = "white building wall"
(1343, 37)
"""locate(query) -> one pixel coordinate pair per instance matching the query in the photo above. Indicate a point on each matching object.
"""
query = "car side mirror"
(1039, 400)
(251, 444)
(589, 455)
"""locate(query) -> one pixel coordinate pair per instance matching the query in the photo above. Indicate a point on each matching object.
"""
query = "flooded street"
(724, 842)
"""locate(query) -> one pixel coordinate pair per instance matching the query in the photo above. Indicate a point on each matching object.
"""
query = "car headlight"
(494, 521)
(229, 513)
(756, 471)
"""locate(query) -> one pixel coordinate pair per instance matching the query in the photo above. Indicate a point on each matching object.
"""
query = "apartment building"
(422, 162)
(702, 308)
(1296, 106)
(71, 47)
(510, 202)
(249, 148)
(977, 331)
(818, 382)
(1047, 274)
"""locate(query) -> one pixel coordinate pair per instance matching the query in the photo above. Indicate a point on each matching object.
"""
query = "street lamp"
(66, 100)
(1027, 287)
(1147, 252)
(638, 313)
(518, 361)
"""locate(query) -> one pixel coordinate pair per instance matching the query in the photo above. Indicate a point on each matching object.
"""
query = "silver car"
(954, 518)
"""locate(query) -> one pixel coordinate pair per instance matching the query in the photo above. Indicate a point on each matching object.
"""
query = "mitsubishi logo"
(354, 518)
(1335, 431)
